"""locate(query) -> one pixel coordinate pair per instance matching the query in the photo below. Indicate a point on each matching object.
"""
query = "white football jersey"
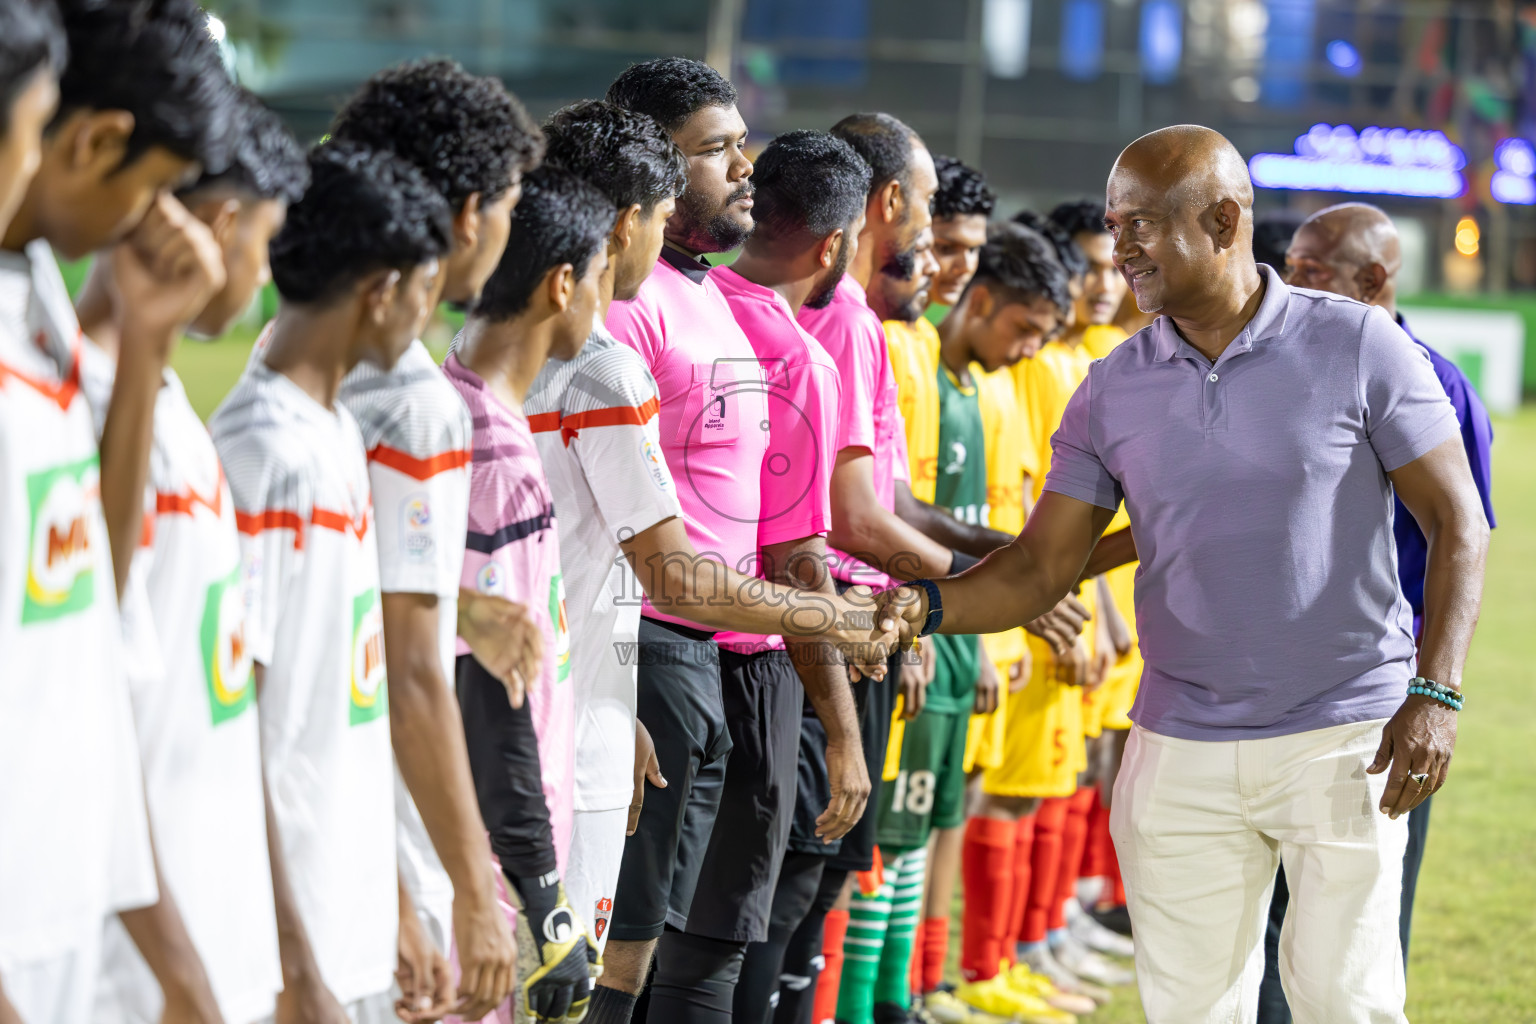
(299, 479)
(594, 419)
(74, 843)
(198, 727)
(416, 430)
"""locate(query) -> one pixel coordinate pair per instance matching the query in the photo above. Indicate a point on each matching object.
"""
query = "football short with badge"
(592, 873)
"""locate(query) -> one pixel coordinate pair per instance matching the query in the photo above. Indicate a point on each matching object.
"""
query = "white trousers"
(592, 870)
(1200, 828)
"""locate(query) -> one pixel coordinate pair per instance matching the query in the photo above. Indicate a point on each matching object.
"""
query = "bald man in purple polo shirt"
(1256, 434)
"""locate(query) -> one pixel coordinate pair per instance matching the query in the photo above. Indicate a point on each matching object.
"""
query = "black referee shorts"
(874, 700)
(678, 701)
(763, 699)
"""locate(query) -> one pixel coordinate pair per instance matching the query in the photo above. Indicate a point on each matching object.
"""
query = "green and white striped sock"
(868, 917)
(893, 981)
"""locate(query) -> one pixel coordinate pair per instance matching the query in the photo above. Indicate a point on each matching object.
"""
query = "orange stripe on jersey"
(421, 469)
(167, 503)
(340, 522)
(61, 392)
(543, 422)
(147, 533)
(617, 416)
(252, 523)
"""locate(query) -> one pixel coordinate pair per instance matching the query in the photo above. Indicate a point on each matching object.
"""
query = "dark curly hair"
(561, 218)
(465, 132)
(1067, 251)
(671, 90)
(1079, 217)
(364, 211)
(808, 181)
(622, 152)
(962, 190)
(156, 60)
(1023, 265)
(268, 162)
(884, 143)
(30, 38)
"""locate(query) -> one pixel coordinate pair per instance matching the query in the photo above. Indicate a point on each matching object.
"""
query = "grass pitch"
(1474, 947)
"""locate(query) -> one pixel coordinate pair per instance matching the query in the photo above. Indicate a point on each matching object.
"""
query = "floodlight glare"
(1374, 161)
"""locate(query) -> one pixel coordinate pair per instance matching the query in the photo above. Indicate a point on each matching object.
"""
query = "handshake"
(866, 625)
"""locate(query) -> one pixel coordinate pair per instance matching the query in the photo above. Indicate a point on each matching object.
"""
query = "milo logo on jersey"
(61, 576)
(562, 628)
(370, 698)
(227, 663)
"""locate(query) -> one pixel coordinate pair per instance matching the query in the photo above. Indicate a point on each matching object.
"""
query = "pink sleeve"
(856, 416)
(902, 469)
(797, 472)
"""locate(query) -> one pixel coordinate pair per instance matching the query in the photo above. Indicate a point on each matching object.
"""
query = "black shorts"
(678, 701)
(763, 698)
(874, 700)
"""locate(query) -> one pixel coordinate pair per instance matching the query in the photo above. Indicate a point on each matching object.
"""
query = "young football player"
(355, 266)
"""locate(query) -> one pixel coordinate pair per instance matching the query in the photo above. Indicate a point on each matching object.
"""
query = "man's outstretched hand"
(865, 638)
(902, 611)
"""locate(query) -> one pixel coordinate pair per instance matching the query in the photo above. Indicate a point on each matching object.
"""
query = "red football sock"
(986, 873)
(1050, 820)
(935, 951)
(1074, 840)
(824, 1007)
(915, 961)
(1096, 856)
(1023, 873)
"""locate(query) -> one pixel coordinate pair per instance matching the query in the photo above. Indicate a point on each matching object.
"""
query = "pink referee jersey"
(513, 551)
(714, 414)
(806, 428)
(855, 339)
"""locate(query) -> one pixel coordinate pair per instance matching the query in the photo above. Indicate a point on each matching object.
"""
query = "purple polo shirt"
(1267, 600)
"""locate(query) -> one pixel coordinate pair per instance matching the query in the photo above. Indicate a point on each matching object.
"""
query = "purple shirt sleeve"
(1406, 411)
(1076, 469)
(1476, 430)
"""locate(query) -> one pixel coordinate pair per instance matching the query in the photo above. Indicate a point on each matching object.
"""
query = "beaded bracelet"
(1422, 687)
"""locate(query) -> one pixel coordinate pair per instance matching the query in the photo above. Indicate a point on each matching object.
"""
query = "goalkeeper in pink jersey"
(538, 305)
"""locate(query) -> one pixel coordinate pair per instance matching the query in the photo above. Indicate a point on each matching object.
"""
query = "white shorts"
(59, 989)
(592, 871)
